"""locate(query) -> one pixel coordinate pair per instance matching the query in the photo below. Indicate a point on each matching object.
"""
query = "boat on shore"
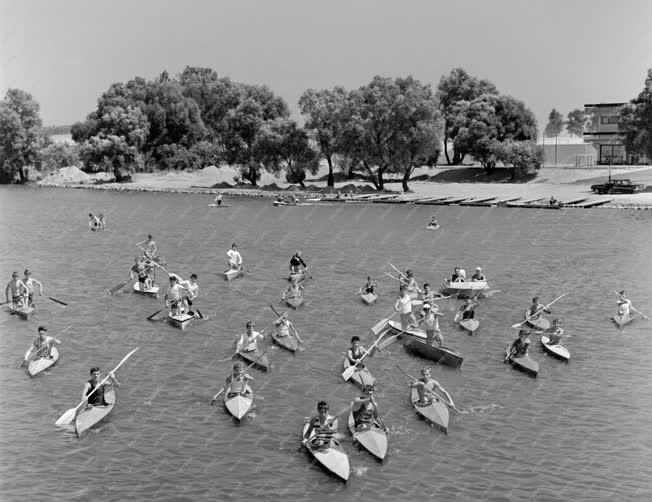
(181, 321)
(36, 366)
(333, 458)
(231, 274)
(23, 312)
(140, 289)
(238, 404)
(524, 363)
(88, 417)
(256, 358)
(622, 320)
(435, 411)
(465, 289)
(555, 350)
(372, 437)
(367, 298)
(360, 377)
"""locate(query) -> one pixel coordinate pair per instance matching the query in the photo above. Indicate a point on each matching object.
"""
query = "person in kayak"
(175, 295)
(624, 304)
(248, 341)
(29, 283)
(93, 222)
(433, 223)
(218, 200)
(369, 285)
(468, 309)
(324, 427)
(478, 276)
(97, 398)
(521, 345)
(364, 409)
(235, 258)
(237, 380)
(41, 346)
(149, 247)
(403, 306)
(430, 324)
(102, 221)
(554, 332)
(140, 270)
(425, 384)
(192, 289)
(18, 290)
(535, 310)
(355, 353)
(293, 290)
(295, 262)
(283, 326)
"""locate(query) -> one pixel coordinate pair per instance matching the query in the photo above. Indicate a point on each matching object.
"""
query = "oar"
(53, 299)
(527, 318)
(348, 372)
(380, 419)
(224, 388)
(117, 288)
(402, 275)
(401, 281)
(247, 270)
(31, 357)
(70, 414)
(632, 306)
(448, 401)
(293, 329)
(156, 313)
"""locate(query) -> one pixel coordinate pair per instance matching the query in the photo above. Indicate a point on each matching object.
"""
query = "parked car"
(616, 186)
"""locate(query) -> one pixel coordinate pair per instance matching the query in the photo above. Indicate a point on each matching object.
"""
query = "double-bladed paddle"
(31, 356)
(54, 299)
(527, 318)
(296, 334)
(632, 306)
(224, 388)
(348, 372)
(328, 423)
(70, 414)
(448, 401)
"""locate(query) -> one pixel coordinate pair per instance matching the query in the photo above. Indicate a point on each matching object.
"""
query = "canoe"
(541, 323)
(360, 377)
(254, 357)
(441, 355)
(468, 324)
(294, 302)
(215, 205)
(23, 312)
(555, 350)
(312, 199)
(465, 289)
(153, 291)
(42, 363)
(181, 321)
(238, 405)
(524, 363)
(436, 412)
(622, 320)
(333, 458)
(232, 274)
(368, 298)
(373, 437)
(90, 416)
(283, 203)
(288, 342)
(429, 227)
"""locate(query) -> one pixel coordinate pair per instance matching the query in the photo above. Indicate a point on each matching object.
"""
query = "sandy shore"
(563, 184)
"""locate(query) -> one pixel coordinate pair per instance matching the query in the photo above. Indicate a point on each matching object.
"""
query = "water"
(581, 431)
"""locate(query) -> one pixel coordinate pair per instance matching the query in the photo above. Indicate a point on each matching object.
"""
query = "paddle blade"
(348, 373)
(387, 341)
(380, 326)
(117, 288)
(67, 417)
(57, 301)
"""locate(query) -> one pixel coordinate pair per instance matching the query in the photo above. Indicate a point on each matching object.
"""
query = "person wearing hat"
(430, 324)
(29, 282)
(41, 346)
(554, 332)
(364, 409)
(534, 312)
(248, 342)
(237, 380)
(18, 292)
(478, 276)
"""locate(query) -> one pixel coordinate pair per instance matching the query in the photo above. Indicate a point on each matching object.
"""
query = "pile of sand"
(70, 174)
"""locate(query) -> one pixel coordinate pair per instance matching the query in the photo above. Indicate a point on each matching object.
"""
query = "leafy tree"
(576, 122)
(524, 157)
(636, 121)
(555, 124)
(21, 136)
(109, 153)
(454, 88)
(58, 155)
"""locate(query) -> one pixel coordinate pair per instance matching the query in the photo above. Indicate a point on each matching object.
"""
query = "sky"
(550, 53)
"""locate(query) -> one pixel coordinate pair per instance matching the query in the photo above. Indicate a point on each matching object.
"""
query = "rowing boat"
(622, 320)
(36, 366)
(470, 325)
(139, 288)
(332, 458)
(256, 358)
(436, 412)
(441, 355)
(540, 324)
(555, 350)
(465, 289)
(238, 404)
(23, 312)
(524, 363)
(181, 321)
(361, 377)
(372, 437)
(367, 298)
(232, 273)
(294, 302)
(88, 417)
(286, 341)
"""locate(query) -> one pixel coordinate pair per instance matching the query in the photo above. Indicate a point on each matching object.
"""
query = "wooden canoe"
(524, 363)
(360, 377)
(254, 357)
(367, 298)
(88, 417)
(441, 355)
(471, 325)
(23, 312)
(153, 291)
(333, 458)
(372, 437)
(623, 320)
(288, 342)
(181, 321)
(540, 324)
(232, 274)
(240, 403)
(465, 289)
(435, 412)
(36, 366)
(294, 302)
(555, 350)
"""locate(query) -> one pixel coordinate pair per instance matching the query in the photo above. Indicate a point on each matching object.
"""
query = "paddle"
(247, 270)
(224, 388)
(117, 288)
(401, 282)
(31, 356)
(632, 306)
(53, 299)
(156, 313)
(512, 350)
(70, 414)
(293, 329)
(328, 423)
(348, 372)
(448, 401)
(527, 318)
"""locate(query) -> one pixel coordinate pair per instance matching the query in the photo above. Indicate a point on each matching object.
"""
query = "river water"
(580, 431)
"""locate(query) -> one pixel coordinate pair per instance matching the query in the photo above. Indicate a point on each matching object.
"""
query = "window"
(609, 119)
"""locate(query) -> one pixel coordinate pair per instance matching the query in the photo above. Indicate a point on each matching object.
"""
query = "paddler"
(18, 290)
(624, 304)
(356, 351)
(29, 283)
(218, 200)
(248, 342)
(235, 258)
(478, 276)
(535, 310)
(191, 287)
(468, 309)
(101, 221)
(428, 295)
(93, 222)
(283, 326)
(425, 384)
(430, 324)
(237, 379)
(41, 346)
(293, 290)
(554, 332)
(369, 285)
(149, 247)
(457, 276)
(403, 306)
(97, 398)
(364, 409)
(520, 345)
(324, 426)
(297, 261)
(433, 223)
(411, 284)
(174, 295)
(140, 271)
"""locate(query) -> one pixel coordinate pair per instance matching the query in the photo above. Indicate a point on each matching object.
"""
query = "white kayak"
(555, 350)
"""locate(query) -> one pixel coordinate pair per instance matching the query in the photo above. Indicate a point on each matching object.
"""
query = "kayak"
(435, 411)
(465, 289)
(524, 363)
(288, 342)
(88, 417)
(36, 366)
(555, 350)
(216, 205)
(232, 274)
(312, 199)
(441, 355)
(541, 323)
(372, 437)
(332, 458)
(432, 227)
(181, 321)
(283, 203)
(360, 377)
(622, 320)
(294, 302)
(23, 312)
(239, 403)
(256, 359)
(470, 325)
(140, 289)
(368, 298)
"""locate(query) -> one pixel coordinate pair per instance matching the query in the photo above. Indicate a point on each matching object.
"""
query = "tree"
(576, 122)
(109, 153)
(636, 121)
(554, 127)
(524, 157)
(58, 155)
(21, 136)
(323, 111)
(454, 88)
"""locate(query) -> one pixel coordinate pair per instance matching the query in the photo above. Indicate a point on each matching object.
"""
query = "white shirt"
(234, 256)
(403, 305)
(248, 343)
